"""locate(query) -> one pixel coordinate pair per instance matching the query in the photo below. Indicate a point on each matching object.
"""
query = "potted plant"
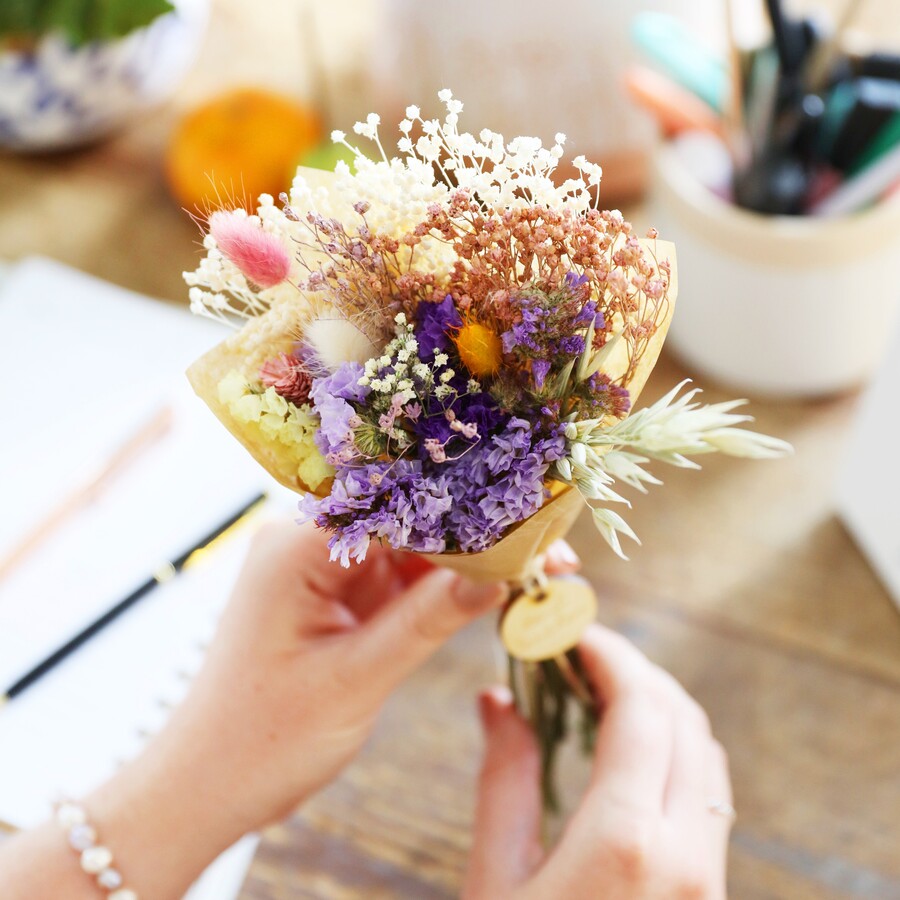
(73, 71)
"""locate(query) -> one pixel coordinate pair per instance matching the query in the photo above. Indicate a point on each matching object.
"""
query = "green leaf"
(600, 357)
(81, 21)
(115, 18)
(586, 355)
(19, 17)
(561, 384)
(71, 17)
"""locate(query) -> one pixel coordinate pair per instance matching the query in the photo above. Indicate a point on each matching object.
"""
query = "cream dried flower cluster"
(397, 193)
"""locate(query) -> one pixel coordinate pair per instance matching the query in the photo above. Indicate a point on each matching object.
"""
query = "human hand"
(305, 655)
(645, 828)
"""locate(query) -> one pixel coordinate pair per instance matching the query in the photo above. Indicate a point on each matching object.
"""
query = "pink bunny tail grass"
(260, 256)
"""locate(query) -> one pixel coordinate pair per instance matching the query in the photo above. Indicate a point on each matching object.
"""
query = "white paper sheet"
(168, 498)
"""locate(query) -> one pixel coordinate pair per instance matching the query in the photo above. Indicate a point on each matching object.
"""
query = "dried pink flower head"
(260, 256)
(287, 375)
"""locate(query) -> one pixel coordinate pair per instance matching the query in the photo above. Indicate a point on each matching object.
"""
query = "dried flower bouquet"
(443, 352)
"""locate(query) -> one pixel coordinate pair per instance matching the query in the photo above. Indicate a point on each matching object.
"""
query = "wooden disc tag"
(546, 623)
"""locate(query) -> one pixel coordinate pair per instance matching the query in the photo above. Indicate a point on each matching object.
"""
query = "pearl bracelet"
(96, 860)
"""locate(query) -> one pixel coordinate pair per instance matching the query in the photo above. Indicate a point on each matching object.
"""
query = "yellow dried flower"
(270, 420)
(479, 348)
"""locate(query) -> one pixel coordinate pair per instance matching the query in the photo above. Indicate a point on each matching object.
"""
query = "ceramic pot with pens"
(793, 306)
(785, 209)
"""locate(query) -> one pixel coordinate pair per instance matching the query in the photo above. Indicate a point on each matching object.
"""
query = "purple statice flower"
(588, 312)
(332, 397)
(574, 281)
(548, 327)
(396, 502)
(500, 482)
(526, 333)
(344, 382)
(479, 409)
(539, 370)
(434, 325)
(426, 506)
(599, 396)
(572, 345)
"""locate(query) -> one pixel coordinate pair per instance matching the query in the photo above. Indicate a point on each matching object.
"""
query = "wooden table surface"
(746, 587)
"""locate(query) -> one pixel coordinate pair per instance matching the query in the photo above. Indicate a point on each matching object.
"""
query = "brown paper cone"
(660, 250)
(260, 339)
(616, 365)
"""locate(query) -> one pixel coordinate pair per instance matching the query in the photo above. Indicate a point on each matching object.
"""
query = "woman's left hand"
(304, 658)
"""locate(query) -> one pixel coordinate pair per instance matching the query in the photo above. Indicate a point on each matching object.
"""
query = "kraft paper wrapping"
(516, 556)
(246, 350)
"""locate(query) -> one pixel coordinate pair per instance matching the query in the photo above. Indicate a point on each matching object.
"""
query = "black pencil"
(163, 574)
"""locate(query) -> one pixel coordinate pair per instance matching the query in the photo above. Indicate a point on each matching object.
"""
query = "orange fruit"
(237, 146)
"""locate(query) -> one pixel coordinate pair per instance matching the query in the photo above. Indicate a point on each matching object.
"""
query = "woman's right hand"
(655, 820)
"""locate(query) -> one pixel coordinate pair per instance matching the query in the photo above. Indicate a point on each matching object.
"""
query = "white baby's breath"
(399, 191)
(500, 174)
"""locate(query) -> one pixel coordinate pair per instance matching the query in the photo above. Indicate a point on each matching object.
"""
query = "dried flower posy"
(439, 340)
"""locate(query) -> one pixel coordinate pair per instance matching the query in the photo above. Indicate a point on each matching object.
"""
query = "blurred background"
(762, 138)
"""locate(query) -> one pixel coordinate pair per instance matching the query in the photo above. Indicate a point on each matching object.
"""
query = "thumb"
(507, 838)
(412, 626)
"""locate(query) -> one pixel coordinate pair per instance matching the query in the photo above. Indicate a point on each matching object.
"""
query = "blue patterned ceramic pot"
(54, 96)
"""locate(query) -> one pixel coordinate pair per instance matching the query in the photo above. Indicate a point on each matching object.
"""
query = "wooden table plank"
(816, 794)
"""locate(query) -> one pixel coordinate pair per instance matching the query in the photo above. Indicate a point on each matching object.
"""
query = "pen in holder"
(787, 213)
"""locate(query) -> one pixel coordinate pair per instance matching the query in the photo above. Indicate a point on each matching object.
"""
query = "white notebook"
(82, 365)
